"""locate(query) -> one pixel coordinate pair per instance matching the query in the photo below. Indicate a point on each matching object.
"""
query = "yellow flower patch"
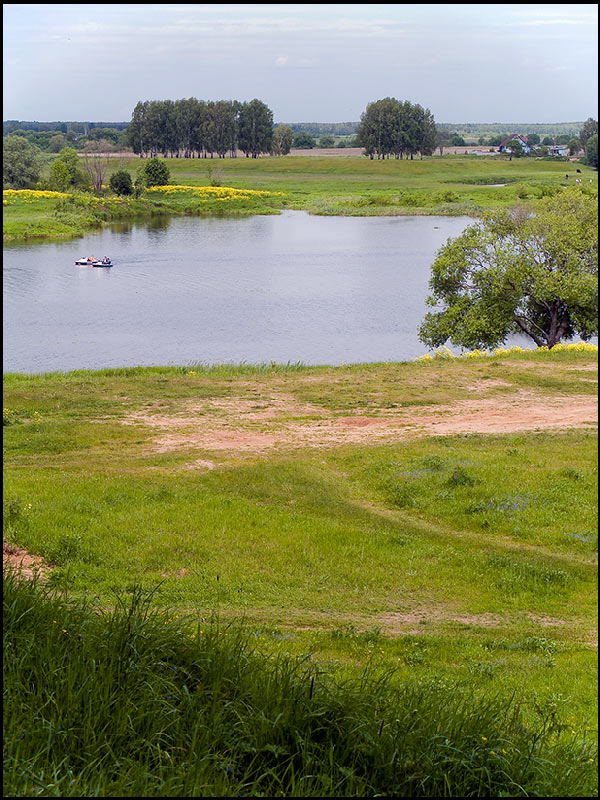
(29, 194)
(444, 352)
(213, 192)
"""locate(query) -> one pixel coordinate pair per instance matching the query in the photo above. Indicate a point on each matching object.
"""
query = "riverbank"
(43, 216)
(349, 186)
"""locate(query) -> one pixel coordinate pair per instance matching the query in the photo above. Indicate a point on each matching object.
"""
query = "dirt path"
(279, 421)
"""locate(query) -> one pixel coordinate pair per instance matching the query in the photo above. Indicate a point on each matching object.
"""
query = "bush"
(121, 183)
(156, 173)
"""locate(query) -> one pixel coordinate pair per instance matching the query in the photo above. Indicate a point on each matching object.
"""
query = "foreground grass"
(351, 186)
(130, 703)
(464, 566)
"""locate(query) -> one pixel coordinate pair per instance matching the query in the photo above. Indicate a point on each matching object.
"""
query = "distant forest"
(320, 128)
(475, 129)
(12, 125)
(52, 136)
(469, 130)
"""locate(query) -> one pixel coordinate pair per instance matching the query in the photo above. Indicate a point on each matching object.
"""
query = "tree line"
(398, 128)
(198, 128)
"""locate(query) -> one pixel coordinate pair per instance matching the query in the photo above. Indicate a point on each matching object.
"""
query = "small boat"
(85, 262)
(106, 262)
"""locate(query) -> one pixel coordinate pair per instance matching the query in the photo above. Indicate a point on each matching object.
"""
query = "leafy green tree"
(425, 130)
(442, 139)
(393, 127)
(592, 151)
(220, 127)
(282, 140)
(255, 126)
(155, 173)
(589, 129)
(21, 163)
(65, 172)
(304, 141)
(120, 182)
(456, 140)
(60, 177)
(574, 146)
(326, 141)
(136, 131)
(519, 272)
(515, 148)
(57, 143)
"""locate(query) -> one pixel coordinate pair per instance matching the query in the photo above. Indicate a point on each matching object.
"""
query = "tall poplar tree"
(255, 122)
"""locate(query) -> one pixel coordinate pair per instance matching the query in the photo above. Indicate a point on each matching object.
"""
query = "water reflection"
(292, 287)
(156, 223)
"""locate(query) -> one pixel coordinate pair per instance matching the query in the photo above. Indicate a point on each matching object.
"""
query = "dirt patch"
(178, 573)
(398, 623)
(279, 421)
(201, 463)
(24, 563)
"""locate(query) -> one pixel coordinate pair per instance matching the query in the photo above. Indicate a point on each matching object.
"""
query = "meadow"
(356, 186)
(280, 580)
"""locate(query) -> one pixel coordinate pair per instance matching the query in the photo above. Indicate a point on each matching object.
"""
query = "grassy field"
(434, 522)
(320, 185)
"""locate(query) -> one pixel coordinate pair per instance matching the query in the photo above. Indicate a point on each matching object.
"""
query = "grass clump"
(134, 701)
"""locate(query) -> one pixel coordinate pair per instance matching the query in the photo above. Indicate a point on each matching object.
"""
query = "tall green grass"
(132, 701)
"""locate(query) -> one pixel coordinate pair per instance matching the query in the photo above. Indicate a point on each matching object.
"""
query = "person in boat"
(106, 260)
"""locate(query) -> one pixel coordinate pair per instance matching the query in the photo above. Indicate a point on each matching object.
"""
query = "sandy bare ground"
(279, 422)
(25, 564)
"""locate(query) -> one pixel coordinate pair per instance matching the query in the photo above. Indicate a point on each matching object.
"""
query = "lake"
(283, 288)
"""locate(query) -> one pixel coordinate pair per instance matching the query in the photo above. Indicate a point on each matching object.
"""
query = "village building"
(558, 150)
(505, 145)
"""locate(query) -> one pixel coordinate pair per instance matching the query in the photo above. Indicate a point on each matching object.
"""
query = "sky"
(307, 62)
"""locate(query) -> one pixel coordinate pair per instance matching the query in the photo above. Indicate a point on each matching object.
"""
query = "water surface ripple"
(292, 287)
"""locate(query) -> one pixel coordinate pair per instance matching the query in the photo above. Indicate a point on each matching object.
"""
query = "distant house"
(558, 150)
(505, 145)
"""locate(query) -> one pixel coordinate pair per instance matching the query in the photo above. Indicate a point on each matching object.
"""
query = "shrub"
(156, 173)
(121, 183)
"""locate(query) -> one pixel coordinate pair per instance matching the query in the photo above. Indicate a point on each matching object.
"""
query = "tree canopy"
(282, 140)
(519, 272)
(154, 173)
(255, 128)
(592, 151)
(66, 173)
(303, 140)
(120, 182)
(393, 127)
(196, 127)
(588, 129)
(21, 163)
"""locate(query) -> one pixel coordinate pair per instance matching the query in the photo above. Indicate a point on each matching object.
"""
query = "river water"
(285, 288)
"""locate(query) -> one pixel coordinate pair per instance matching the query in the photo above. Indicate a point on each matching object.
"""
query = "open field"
(319, 184)
(372, 496)
(434, 521)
